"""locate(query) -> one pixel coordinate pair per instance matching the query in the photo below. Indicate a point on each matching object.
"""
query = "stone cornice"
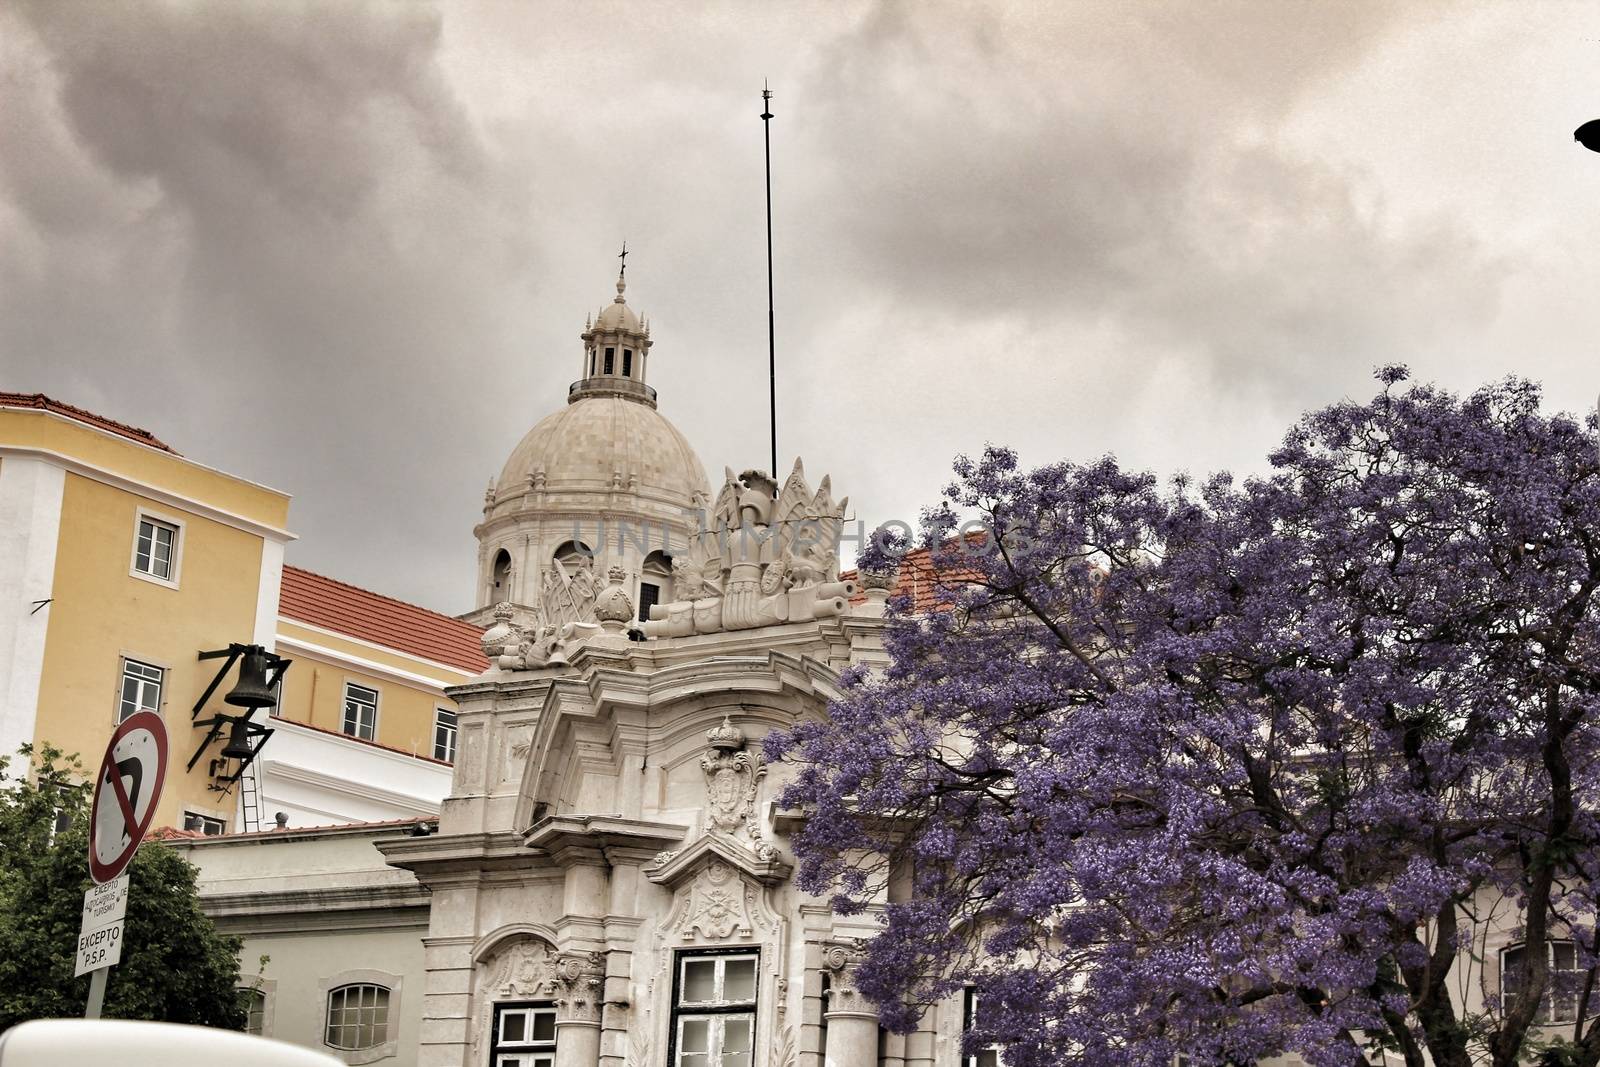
(334, 908)
(434, 857)
(604, 839)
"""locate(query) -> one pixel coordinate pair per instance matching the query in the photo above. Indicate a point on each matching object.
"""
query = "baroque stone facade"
(612, 848)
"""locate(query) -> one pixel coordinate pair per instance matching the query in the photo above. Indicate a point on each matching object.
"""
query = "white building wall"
(318, 779)
(30, 521)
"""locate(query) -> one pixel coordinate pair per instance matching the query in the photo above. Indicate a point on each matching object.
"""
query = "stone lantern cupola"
(616, 348)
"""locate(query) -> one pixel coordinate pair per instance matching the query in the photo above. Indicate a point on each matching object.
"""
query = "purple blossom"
(1222, 768)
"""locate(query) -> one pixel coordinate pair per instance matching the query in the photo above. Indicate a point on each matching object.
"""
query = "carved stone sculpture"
(500, 632)
(732, 779)
(613, 605)
(767, 557)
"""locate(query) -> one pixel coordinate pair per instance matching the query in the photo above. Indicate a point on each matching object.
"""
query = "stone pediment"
(673, 869)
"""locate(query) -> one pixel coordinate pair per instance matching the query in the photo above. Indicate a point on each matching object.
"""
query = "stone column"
(579, 989)
(852, 1019)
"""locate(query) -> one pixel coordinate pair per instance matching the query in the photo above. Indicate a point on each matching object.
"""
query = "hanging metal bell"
(238, 746)
(252, 691)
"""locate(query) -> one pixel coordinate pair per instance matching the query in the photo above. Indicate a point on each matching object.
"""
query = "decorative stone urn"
(613, 607)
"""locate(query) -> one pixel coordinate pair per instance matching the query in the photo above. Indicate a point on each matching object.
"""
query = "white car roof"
(119, 1043)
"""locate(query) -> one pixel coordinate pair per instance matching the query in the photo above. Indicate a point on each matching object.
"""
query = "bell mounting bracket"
(276, 665)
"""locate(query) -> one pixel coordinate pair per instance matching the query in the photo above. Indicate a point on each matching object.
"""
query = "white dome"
(593, 440)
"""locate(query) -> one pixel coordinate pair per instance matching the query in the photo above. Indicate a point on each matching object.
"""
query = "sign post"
(125, 794)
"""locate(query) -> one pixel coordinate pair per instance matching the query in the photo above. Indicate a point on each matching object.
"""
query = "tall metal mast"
(772, 344)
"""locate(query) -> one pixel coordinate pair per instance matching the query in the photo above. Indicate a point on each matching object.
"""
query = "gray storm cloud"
(345, 249)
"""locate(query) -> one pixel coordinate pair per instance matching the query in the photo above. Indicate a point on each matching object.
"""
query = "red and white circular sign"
(125, 793)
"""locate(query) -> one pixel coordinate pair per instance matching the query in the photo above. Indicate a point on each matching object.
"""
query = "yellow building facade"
(121, 561)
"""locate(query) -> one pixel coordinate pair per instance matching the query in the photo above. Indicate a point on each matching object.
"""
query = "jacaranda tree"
(1233, 770)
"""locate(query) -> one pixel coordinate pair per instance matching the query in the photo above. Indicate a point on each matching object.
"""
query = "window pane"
(1564, 956)
(739, 981)
(699, 981)
(510, 1061)
(358, 1016)
(544, 1026)
(736, 1040)
(513, 1026)
(988, 1058)
(696, 1036)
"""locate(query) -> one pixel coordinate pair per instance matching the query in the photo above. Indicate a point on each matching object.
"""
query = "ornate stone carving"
(564, 618)
(612, 604)
(533, 970)
(501, 631)
(879, 578)
(569, 592)
(578, 983)
(842, 960)
(717, 903)
(732, 779)
(765, 556)
(717, 907)
(519, 971)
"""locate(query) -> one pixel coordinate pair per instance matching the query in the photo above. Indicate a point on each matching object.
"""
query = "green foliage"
(175, 966)
(1558, 1052)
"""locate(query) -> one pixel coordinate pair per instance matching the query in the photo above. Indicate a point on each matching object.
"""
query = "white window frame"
(1546, 1015)
(989, 1054)
(142, 515)
(454, 733)
(528, 1052)
(393, 983)
(719, 1010)
(220, 823)
(268, 988)
(122, 677)
(344, 709)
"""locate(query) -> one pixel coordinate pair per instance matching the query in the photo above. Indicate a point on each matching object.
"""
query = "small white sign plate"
(105, 904)
(100, 937)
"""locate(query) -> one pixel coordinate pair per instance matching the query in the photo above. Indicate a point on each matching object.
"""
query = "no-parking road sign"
(125, 793)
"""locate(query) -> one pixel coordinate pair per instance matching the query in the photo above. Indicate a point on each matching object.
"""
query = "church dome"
(604, 443)
(606, 474)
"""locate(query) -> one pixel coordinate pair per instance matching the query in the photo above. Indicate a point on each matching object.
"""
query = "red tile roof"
(40, 402)
(355, 612)
(918, 577)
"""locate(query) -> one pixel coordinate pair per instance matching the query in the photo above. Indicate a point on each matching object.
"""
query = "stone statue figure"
(768, 556)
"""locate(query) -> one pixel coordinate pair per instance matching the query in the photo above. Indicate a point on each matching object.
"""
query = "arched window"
(358, 1017)
(502, 577)
(1560, 1001)
(570, 552)
(655, 582)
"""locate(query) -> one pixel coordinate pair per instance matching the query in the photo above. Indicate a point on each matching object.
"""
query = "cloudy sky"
(346, 249)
